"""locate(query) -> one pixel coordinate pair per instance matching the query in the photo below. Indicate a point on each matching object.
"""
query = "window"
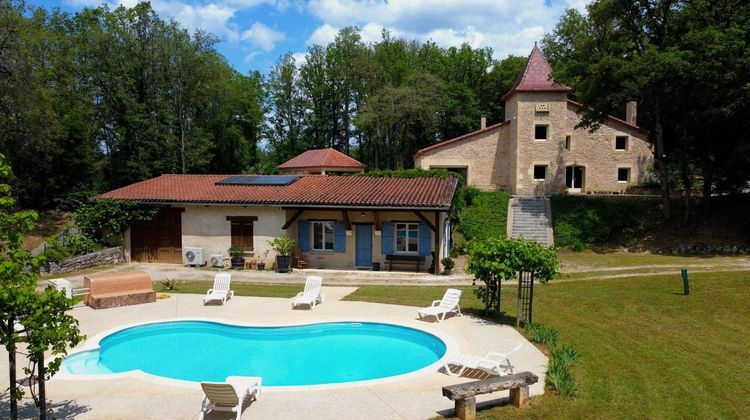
(242, 235)
(623, 174)
(621, 143)
(322, 236)
(407, 237)
(567, 143)
(540, 132)
(540, 172)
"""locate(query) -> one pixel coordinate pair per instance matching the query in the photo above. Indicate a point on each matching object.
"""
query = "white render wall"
(207, 227)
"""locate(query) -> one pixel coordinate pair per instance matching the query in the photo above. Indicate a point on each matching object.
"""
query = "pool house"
(338, 222)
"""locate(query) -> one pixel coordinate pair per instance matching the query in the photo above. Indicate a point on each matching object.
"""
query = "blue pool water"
(295, 355)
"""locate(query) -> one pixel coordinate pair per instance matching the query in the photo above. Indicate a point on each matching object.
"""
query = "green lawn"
(240, 289)
(647, 351)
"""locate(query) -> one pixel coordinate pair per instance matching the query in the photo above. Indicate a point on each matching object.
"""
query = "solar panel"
(273, 180)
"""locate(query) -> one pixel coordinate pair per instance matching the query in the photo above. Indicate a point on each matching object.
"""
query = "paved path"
(162, 272)
(414, 398)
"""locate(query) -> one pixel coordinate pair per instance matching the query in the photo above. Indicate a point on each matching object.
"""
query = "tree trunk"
(708, 180)
(687, 185)
(661, 162)
(12, 374)
(42, 390)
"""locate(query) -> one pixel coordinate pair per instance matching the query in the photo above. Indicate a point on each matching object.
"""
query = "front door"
(574, 178)
(363, 246)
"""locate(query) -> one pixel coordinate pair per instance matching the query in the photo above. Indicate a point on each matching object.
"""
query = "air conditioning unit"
(217, 261)
(194, 256)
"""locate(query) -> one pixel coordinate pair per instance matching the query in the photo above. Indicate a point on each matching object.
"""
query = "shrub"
(448, 263)
(70, 246)
(579, 220)
(486, 216)
(113, 216)
(441, 173)
(282, 245)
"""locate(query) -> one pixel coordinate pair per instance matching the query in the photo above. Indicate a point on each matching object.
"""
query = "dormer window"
(541, 132)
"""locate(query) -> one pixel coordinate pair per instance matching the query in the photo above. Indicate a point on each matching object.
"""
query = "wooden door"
(159, 239)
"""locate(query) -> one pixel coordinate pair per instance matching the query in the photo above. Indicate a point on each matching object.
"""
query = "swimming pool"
(315, 354)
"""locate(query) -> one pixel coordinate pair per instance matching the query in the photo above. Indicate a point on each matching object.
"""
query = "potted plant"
(262, 262)
(448, 265)
(283, 247)
(235, 253)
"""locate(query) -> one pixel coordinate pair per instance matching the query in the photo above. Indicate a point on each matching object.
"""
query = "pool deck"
(415, 397)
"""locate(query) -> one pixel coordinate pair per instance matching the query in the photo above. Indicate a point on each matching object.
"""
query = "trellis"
(525, 297)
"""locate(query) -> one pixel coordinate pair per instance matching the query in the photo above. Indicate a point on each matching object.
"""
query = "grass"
(590, 259)
(240, 289)
(646, 350)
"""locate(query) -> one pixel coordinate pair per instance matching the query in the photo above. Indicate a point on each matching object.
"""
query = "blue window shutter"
(386, 238)
(304, 235)
(425, 239)
(339, 237)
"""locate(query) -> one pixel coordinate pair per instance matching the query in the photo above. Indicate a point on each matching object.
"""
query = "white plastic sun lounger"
(229, 395)
(439, 308)
(221, 290)
(311, 296)
(494, 363)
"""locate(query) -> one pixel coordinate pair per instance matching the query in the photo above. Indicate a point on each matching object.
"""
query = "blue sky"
(253, 34)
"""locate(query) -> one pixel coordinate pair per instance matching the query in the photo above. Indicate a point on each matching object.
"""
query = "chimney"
(631, 112)
(483, 122)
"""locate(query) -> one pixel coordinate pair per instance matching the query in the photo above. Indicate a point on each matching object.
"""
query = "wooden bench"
(119, 289)
(465, 394)
(400, 258)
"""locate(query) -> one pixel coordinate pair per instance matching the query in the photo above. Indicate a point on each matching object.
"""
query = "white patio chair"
(312, 295)
(221, 290)
(493, 363)
(230, 395)
(439, 308)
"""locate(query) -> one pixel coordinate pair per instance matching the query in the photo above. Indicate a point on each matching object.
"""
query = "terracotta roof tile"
(536, 76)
(322, 158)
(308, 190)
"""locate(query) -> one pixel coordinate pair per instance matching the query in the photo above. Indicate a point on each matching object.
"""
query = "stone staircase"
(529, 217)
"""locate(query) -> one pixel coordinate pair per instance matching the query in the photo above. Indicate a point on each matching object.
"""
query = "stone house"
(539, 150)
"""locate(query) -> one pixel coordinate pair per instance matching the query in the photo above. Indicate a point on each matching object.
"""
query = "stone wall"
(486, 157)
(114, 255)
(594, 151)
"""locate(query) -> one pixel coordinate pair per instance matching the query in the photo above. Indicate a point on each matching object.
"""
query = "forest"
(105, 97)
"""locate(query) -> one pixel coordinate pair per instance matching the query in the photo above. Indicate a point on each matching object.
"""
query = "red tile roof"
(536, 76)
(466, 136)
(322, 158)
(307, 191)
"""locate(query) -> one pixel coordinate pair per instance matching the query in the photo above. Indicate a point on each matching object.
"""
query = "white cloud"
(300, 58)
(506, 26)
(322, 35)
(262, 36)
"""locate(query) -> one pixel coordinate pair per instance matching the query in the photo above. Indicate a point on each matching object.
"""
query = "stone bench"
(465, 394)
(119, 289)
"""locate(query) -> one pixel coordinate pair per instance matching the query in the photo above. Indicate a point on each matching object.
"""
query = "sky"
(254, 34)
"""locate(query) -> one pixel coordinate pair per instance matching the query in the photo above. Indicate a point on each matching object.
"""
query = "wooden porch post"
(436, 268)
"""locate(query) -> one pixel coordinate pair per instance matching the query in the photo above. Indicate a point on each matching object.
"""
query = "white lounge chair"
(493, 363)
(439, 308)
(221, 290)
(229, 395)
(312, 295)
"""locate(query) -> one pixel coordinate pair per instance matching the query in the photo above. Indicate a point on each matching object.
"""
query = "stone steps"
(530, 219)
